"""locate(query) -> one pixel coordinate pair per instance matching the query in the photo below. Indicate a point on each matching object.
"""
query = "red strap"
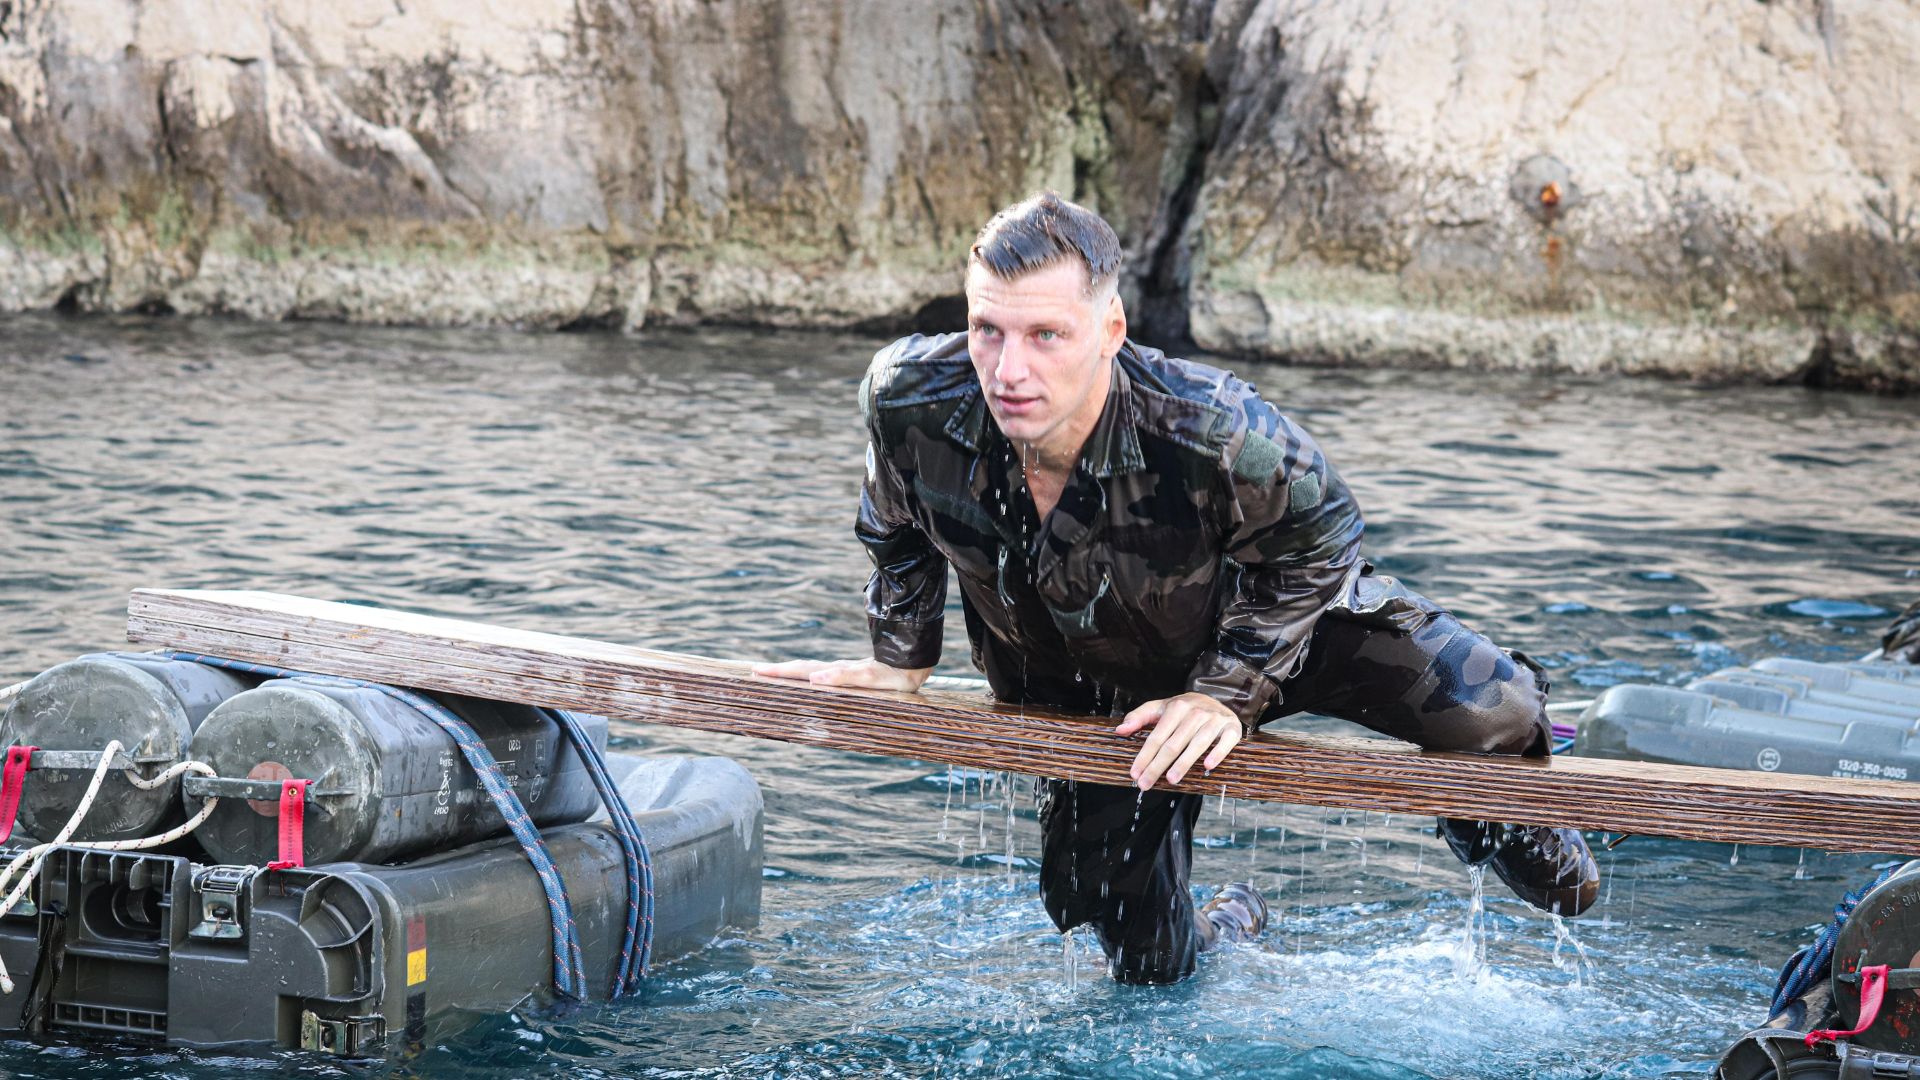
(293, 825)
(19, 759)
(1873, 990)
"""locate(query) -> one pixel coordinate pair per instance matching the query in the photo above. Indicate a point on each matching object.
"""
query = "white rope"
(33, 856)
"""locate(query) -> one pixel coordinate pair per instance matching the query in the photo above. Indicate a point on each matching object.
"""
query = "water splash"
(946, 811)
(1470, 950)
(1070, 958)
(1568, 953)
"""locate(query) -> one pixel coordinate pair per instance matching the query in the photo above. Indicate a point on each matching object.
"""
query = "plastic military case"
(358, 959)
(1795, 716)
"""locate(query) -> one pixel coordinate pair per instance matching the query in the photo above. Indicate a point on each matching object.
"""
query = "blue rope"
(636, 946)
(1812, 962)
(569, 977)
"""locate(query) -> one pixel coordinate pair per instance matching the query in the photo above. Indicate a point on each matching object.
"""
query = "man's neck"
(1049, 463)
(1056, 455)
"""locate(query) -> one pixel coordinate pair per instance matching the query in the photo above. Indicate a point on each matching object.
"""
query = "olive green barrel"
(386, 780)
(151, 705)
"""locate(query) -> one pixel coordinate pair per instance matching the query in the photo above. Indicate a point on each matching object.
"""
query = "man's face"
(1040, 349)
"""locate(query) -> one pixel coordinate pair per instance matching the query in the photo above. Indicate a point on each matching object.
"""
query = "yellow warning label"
(416, 967)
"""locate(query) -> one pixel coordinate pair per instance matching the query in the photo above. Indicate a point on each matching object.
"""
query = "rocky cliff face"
(1711, 188)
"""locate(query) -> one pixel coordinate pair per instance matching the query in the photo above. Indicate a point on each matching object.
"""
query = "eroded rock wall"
(1717, 188)
(547, 162)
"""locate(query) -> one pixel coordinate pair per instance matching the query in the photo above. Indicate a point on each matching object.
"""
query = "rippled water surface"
(694, 491)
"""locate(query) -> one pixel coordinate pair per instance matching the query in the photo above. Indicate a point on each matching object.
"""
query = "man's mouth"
(1014, 405)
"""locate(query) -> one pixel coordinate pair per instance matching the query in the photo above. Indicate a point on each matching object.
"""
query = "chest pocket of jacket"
(1166, 582)
(962, 531)
(1105, 627)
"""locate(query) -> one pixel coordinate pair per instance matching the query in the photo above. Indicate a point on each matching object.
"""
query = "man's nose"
(1011, 366)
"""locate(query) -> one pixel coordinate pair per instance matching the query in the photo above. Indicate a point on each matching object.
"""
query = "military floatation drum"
(386, 781)
(150, 704)
(1883, 929)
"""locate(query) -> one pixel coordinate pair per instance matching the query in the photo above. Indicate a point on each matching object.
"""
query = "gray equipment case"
(364, 960)
(1779, 715)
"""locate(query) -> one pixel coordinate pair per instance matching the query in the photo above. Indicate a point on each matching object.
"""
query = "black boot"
(1237, 913)
(1548, 868)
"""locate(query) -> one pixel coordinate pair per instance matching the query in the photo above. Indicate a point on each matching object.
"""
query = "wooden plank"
(649, 686)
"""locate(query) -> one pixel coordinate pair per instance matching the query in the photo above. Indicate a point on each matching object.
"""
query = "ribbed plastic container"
(1780, 715)
(361, 960)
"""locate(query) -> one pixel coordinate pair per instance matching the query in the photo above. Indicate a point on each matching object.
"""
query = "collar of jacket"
(1113, 447)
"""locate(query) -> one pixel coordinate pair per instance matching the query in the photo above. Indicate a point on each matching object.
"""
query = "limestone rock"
(1692, 188)
(1716, 188)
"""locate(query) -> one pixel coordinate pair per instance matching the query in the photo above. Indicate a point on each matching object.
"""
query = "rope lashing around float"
(1809, 964)
(569, 976)
(636, 946)
(31, 858)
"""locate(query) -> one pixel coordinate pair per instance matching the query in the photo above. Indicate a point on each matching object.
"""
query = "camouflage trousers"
(1119, 859)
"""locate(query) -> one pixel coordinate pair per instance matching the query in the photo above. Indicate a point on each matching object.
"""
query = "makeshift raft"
(394, 942)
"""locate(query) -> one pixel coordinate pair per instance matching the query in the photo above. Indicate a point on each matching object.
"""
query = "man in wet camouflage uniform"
(1143, 537)
(1901, 643)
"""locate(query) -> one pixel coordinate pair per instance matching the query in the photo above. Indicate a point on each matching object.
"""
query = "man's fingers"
(1227, 742)
(1140, 717)
(1165, 725)
(1168, 740)
(859, 673)
(848, 675)
(1203, 737)
(791, 669)
(842, 673)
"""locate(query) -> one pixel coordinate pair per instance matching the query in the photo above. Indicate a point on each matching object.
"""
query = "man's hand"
(1183, 728)
(871, 674)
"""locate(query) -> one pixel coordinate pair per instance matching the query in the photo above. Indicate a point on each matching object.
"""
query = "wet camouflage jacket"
(1198, 540)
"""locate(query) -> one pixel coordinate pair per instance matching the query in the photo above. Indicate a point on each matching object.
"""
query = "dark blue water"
(694, 491)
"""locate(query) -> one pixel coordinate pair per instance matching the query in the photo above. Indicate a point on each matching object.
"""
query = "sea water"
(695, 490)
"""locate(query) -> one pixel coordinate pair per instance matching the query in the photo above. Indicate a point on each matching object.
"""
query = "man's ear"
(1113, 326)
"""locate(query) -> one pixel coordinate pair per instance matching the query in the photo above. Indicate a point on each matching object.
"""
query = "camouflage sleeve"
(1294, 529)
(907, 591)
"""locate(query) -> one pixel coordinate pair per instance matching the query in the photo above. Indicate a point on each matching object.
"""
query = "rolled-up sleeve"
(1292, 532)
(907, 591)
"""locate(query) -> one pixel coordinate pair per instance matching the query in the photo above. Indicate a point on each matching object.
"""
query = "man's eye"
(986, 330)
(1047, 335)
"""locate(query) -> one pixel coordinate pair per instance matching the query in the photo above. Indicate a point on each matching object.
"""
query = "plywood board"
(625, 683)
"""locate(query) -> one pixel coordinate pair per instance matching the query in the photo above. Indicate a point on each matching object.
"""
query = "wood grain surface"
(624, 683)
